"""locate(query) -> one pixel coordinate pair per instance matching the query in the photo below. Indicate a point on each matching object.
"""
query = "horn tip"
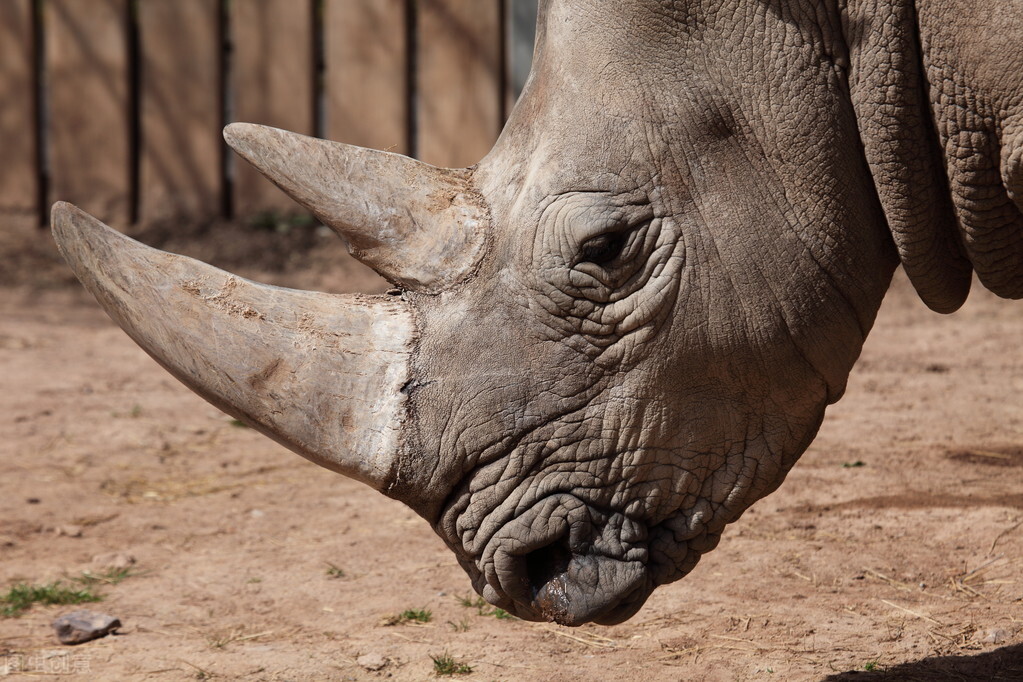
(62, 211)
(233, 131)
(241, 137)
(78, 233)
(64, 217)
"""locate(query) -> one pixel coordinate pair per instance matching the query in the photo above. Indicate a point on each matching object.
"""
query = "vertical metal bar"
(226, 110)
(503, 77)
(412, 78)
(134, 113)
(40, 113)
(319, 67)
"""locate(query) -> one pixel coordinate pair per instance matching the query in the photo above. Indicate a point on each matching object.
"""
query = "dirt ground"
(893, 551)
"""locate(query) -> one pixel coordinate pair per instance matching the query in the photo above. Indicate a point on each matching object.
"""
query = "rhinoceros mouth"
(572, 589)
(565, 562)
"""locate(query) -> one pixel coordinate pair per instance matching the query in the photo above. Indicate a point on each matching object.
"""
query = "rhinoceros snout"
(559, 563)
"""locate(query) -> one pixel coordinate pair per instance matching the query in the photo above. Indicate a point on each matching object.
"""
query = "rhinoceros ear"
(319, 373)
(421, 227)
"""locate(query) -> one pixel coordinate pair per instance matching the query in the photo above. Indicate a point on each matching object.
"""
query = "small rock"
(70, 530)
(78, 627)
(372, 662)
(115, 560)
(995, 636)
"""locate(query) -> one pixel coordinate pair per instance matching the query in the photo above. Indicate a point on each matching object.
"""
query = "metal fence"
(117, 105)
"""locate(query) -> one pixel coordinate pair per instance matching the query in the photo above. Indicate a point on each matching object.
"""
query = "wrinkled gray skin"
(676, 249)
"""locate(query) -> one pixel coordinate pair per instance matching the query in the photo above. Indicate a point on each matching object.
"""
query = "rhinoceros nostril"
(545, 563)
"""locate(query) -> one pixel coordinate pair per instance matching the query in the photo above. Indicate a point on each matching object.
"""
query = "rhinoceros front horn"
(320, 373)
(419, 226)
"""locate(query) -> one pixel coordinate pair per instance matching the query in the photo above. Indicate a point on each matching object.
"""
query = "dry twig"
(912, 613)
(1003, 534)
(597, 641)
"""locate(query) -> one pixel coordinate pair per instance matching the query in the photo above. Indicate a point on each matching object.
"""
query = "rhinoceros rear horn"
(319, 373)
(419, 226)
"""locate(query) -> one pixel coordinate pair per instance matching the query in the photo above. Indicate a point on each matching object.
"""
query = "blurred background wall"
(117, 105)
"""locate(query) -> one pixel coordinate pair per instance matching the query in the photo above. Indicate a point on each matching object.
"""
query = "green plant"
(469, 602)
(22, 596)
(460, 626)
(110, 576)
(334, 571)
(483, 608)
(220, 641)
(445, 664)
(408, 616)
(870, 666)
(854, 465)
(416, 615)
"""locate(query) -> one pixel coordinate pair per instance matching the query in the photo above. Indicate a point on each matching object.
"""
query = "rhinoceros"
(622, 327)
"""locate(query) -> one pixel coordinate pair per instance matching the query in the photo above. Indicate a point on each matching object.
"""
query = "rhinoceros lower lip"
(559, 574)
(591, 588)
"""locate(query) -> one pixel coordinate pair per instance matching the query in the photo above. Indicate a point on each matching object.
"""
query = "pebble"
(995, 636)
(79, 627)
(116, 560)
(372, 662)
(69, 530)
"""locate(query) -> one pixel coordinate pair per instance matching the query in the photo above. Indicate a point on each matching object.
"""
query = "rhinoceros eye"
(603, 248)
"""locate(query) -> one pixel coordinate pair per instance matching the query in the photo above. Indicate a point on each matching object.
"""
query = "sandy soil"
(908, 566)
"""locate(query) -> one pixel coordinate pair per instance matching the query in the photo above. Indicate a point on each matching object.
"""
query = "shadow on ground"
(1001, 664)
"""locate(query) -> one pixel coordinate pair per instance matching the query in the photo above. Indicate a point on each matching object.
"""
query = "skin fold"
(636, 309)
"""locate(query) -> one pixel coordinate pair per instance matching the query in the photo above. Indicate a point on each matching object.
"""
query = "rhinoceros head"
(608, 338)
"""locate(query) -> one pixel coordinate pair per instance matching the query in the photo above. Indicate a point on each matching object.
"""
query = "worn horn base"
(319, 373)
